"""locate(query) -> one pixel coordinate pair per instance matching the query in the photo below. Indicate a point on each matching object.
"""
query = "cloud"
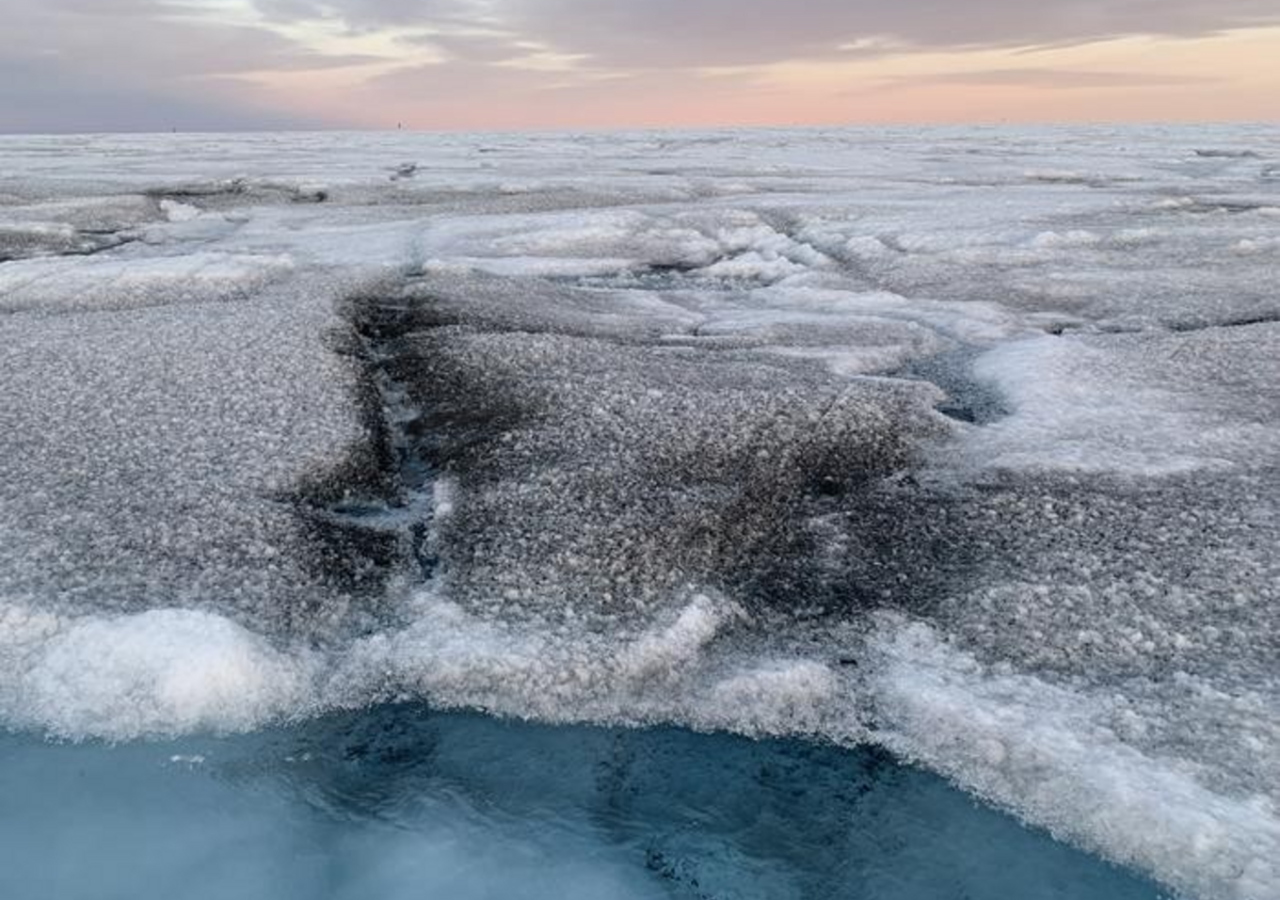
(137, 65)
(743, 32)
(149, 38)
(1045, 78)
(362, 14)
(215, 63)
(473, 49)
(703, 33)
(36, 97)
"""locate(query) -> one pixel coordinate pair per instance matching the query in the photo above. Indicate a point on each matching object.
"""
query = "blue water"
(403, 802)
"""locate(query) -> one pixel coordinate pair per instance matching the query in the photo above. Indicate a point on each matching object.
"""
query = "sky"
(157, 65)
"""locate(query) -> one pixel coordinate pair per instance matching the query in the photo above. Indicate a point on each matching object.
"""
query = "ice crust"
(962, 444)
(1056, 755)
(1136, 403)
(48, 285)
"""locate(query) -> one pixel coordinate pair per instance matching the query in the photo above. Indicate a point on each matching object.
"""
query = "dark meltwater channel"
(402, 802)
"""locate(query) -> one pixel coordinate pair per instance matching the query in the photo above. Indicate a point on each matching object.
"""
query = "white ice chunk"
(175, 211)
(1152, 405)
(162, 672)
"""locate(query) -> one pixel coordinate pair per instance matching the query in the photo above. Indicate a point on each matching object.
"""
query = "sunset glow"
(499, 64)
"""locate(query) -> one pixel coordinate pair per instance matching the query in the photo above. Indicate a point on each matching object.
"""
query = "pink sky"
(79, 65)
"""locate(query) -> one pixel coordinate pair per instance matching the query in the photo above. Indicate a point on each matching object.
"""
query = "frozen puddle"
(399, 802)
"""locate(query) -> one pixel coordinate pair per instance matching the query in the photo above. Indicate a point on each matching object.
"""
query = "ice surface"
(154, 456)
(55, 284)
(1155, 403)
(1061, 757)
(961, 444)
(76, 225)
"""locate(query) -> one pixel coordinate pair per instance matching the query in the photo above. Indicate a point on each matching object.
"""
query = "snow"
(962, 444)
(86, 284)
(150, 454)
(161, 672)
(1141, 404)
(1053, 755)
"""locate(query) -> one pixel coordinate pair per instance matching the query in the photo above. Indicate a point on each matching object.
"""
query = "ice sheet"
(962, 443)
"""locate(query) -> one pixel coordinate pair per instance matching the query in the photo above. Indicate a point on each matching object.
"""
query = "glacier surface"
(962, 445)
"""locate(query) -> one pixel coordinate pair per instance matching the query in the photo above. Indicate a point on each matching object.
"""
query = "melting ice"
(957, 447)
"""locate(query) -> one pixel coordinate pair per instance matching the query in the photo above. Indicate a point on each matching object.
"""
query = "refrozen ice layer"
(72, 226)
(959, 443)
(58, 285)
(1141, 404)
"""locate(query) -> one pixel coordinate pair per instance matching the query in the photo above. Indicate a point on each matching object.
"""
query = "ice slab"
(1148, 404)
